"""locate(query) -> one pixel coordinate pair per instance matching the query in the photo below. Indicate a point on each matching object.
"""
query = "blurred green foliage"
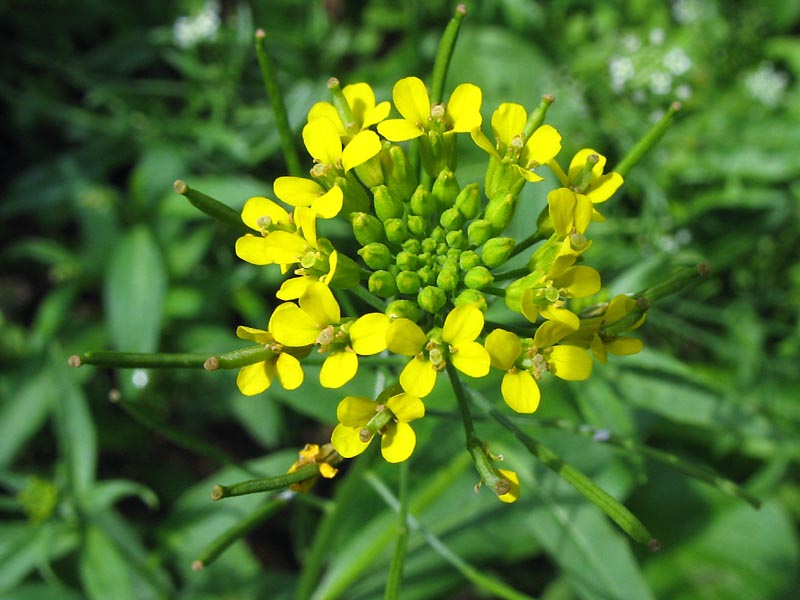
(105, 104)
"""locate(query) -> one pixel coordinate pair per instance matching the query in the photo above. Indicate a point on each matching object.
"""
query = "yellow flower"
(361, 418)
(461, 113)
(526, 360)
(256, 378)
(324, 456)
(317, 320)
(299, 191)
(455, 343)
(321, 137)
(570, 213)
(508, 129)
(597, 186)
(621, 345)
(512, 495)
(361, 101)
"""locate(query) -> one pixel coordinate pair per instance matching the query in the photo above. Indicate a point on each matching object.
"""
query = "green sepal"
(366, 228)
(377, 256)
(370, 172)
(387, 206)
(354, 196)
(469, 201)
(496, 251)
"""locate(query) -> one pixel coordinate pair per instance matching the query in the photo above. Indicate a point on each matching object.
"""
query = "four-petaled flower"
(361, 418)
(361, 101)
(256, 378)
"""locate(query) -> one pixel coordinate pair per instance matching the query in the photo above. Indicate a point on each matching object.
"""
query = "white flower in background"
(677, 61)
(686, 12)
(631, 42)
(657, 36)
(766, 84)
(621, 70)
(683, 92)
(660, 83)
(187, 32)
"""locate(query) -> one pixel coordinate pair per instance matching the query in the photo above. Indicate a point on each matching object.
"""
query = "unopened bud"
(468, 201)
(438, 234)
(478, 277)
(469, 259)
(370, 173)
(500, 211)
(422, 203)
(376, 255)
(407, 282)
(398, 175)
(479, 231)
(366, 228)
(382, 284)
(407, 261)
(456, 240)
(396, 231)
(418, 226)
(496, 251)
(426, 275)
(354, 196)
(448, 276)
(386, 205)
(445, 189)
(413, 246)
(451, 219)
(472, 297)
(429, 245)
(431, 298)
(403, 308)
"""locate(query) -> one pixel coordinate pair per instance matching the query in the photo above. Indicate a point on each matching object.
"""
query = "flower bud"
(422, 203)
(343, 272)
(479, 231)
(454, 254)
(396, 231)
(407, 282)
(407, 261)
(382, 284)
(472, 297)
(403, 308)
(431, 298)
(456, 240)
(354, 196)
(500, 211)
(451, 219)
(469, 259)
(445, 189)
(418, 226)
(426, 275)
(442, 248)
(468, 201)
(376, 255)
(438, 234)
(386, 205)
(496, 251)
(447, 279)
(478, 277)
(398, 175)
(370, 172)
(366, 228)
(413, 246)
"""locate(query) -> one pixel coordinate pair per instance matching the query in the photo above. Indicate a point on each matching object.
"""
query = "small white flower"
(660, 83)
(766, 84)
(677, 61)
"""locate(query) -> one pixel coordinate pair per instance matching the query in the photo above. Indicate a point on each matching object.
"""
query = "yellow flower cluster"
(429, 258)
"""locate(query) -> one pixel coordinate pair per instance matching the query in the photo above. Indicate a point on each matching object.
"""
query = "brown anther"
(502, 487)
(211, 363)
(365, 435)
(74, 361)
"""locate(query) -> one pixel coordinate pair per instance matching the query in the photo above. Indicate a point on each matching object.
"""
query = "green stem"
(242, 528)
(278, 107)
(368, 297)
(327, 528)
(137, 360)
(444, 53)
(512, 274)
(266, 484)
(615, 510)
(236, 359)
(494, 587)
(494, 291)
(401, 547)
(636, 153)
(527, 243)
(212, 207)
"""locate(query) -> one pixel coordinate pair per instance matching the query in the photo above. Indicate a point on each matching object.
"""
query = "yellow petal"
(339, 368)
(530, 309)
(542, 146)
(464, 108)
(604, 187)
(418, 377)
(623, 346)
(529, 175)
(619, 306)
(328, 111)
(483, 142)
(551, 332)
(284, 247)
(504, 348)
(320, 304)
(355, 411)
(463, 324)
(297, 191)
(598, 349)
(520, 391)
(513, 492)
(569, 363)
(254, 379)
(471, 359)
(508, 122)
(322, 141)
(368, 334)
(376, 114)
(255, 250)
(561, 203)
(290, 373)
(406, 407)
(564, 315)
(329, 204)
(578, 282)
(578, 163)
(397, 444)
(360, 98)
(399, 130)
(293, 288)
(412, 101)
(306, 220)
(405, 337)
(360, 149)
(583, 212)
(255, 335)
(259, 207)
(292, 326)
(347, 442)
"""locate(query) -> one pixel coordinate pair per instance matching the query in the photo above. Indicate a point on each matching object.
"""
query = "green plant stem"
(511, 274)
(327, 527)
(137, 360)
(212, 207)
(278, 107)
(265, 484)
(494, 291)
(537, 116)
(527, 243)
(398, 558)
(236, 359)
(614, 509)
(494, 587)
(368, 297)
(242, 528)
(648, 141)
(444, 53)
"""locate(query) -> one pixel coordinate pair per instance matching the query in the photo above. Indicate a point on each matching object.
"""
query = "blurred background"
(105, 474)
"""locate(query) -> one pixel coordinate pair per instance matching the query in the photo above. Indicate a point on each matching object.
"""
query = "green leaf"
(134, 290)
(102, 568)
(154, 174)
(75, 432)
(107, 493)
(23, 413)
(23, 547)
